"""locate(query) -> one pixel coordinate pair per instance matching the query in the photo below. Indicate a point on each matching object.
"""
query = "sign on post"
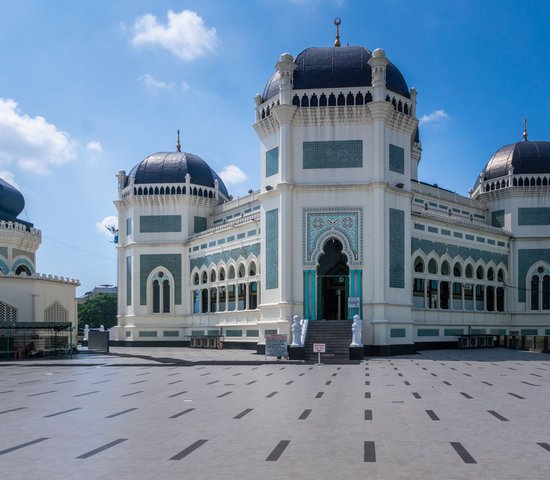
(319, 348)
(353, 302)
(276, 346)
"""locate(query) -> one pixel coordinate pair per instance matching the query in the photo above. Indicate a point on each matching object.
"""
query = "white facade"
(340, 214)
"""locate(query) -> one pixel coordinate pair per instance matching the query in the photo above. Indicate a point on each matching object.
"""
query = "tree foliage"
(101, 309)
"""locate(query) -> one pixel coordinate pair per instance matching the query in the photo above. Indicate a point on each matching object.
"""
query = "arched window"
(23, 269)
(222, 274)
(56, 313)
(535, 292)
(213, 300)
(204, 300)
(469, 271)
(331, 100)
(432, 267)
(479, 273)
(253, 296)
(231, 274)
(305, 101)
(490, 274)
(160, 291)
(359, 99)
(314, 101)
(546, 292)
(213, 276)
(457, 270)
(252, 269)
(500, 275)
(341, 100)
(445, 268)
(196, 279)
(323, 100)
(241, 271)
(419, 265)
(241, 296)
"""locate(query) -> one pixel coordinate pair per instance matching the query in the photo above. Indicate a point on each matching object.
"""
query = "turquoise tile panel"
(128, 226)
(147, 334)
(398, 332)
(233, 333)
(159, 223)
(478, 331)
(529, 331)
(526, 259)
(170, 333)
(272, 162)
(333, 154)
(272, 249)
(252, 333)
(453, 332)
(199, 224)
(397, 248)
(147, 263)
(397, 159)
(497, 331)
(497, 218)
(128, 280)
(428, 332)
(534, 216)
(225, 256)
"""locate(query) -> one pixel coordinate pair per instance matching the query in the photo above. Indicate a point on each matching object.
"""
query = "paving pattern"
(437, 415)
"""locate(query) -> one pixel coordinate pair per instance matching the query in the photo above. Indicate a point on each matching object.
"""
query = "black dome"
(336, 67)
(525, 157)
(12, 202)
(172, 167)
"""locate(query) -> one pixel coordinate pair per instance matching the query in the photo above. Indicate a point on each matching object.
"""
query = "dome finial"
(337, 22)
(525, 129)
(178, 145)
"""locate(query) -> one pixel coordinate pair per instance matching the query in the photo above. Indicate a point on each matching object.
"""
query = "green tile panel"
(497, 218)
(253, 333)
(428, 332)
(398, 332)
(199, 224)
(529, 331)
(147, 333)
(397, 159)
(453, 332)
(170, 333)
(159, 223)
(128, 280)
(22, 253)
(147, 263)
(128, 226)
(397, 248)
(478, 331)
(225, 256)
(272, 249)
(272, 162)
(233, 333)
(333, 154)
(497, 331)
(534, 216)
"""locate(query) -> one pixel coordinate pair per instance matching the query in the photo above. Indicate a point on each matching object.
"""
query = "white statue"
(86, 331)
(101, 328)
(296, 332)
(356, 332)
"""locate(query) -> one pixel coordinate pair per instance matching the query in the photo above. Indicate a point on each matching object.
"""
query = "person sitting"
(18, 353)
(30, 351)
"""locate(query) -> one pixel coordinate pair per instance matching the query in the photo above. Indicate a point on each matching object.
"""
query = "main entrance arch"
(332, 282)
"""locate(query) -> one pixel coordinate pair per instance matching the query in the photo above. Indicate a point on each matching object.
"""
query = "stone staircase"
(335, 334)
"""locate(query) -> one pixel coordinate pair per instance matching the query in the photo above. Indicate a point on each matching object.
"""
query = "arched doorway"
(332, 282)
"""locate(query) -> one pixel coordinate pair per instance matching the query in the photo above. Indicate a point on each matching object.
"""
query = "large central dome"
(336, 67)
(172, 167)
(12, 202)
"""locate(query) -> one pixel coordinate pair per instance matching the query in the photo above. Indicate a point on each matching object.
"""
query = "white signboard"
(353, 302)
(318, 348)
(276, 345)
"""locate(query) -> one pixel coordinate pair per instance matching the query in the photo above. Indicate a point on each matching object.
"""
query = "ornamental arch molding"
(324, 238)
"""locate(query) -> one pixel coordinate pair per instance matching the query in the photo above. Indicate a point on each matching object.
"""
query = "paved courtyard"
(445, 414)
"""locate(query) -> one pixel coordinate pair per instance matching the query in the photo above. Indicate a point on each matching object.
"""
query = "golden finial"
(524, 129)
(337, 22)
(178, 145)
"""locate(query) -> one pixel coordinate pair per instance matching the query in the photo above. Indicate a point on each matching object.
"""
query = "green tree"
(98, 310)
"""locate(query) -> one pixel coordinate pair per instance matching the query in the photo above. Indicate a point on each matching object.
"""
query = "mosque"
(34, 307)
(340, 226)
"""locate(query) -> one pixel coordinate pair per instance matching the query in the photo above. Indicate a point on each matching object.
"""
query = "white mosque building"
(34, 307)
(340, 226)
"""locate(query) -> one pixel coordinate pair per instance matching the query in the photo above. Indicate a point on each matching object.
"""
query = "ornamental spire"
(337, 22)
(178, 145)
(524, 129)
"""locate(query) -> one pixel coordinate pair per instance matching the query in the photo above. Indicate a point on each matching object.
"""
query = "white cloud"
(32, 142)
(102, 225)
(184, 86)
(7, 176)
(435, 117)
(153, 84)
(94, 147)
(232, 175)
(184, 35)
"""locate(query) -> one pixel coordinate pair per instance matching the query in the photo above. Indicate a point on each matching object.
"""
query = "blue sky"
(91, 87)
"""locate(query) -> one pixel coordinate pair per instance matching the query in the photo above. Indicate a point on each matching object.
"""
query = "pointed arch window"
(161, 293)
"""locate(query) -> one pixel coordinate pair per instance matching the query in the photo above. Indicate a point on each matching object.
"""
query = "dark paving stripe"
(212, 382)
(498, 415)
(367, 395)
(102, 448)
(269, 374)
(407, 383)
(447, 383)
(416, 395)
(235, 374)
(23, 445)
(367, 374)
(105, 381)
(81, 373)
(250, 383)
(139, 381)
(334, 374)
(172, 374)
(12, 410)
(272, 394)
(432, 415)
(368, 414)
(433, 374)
(120, 413)
(41, 393)
(177, 394)
(8, 391)
(369, 452)
(536, 375)
(182, 413)
(464, 394)
(62, 412)
(367, 382)
(87, 393)
(277, 451)
(243, 413)
(544, 445)
(516, 395)
(27, 381)
(64, 381)
(328, 382)
(452, 368)
(109, 374)
(177, 381)
(400, 375)
(487, 383)
(133, 393)
(462, 452)
(530, 384)
(224, 394)
(301, 374)
(467, 374)
(319, 394)
(289, 382)
(204, 374)
(304, 414)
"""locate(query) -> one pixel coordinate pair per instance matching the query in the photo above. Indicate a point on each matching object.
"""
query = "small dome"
(336, 67)
(12, 202)
(172, 167)
(525, 157)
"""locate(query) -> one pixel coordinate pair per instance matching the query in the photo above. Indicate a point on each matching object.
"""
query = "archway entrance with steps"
(332, 282)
